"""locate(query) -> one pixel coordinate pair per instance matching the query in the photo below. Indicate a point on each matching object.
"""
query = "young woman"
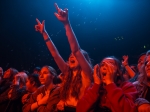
(10, 100)
(109, 93)
(32, 84)
(45, 98)
(77, 72)
(7, 79)
(137, 69)
(143, 85)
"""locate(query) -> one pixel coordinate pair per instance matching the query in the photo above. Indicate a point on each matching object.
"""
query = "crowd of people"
(110, 86)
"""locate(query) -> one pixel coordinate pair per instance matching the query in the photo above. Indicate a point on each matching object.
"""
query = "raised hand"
(61, 15)
(40, 26)
(125, 60)
(108, 77)
(96, 75)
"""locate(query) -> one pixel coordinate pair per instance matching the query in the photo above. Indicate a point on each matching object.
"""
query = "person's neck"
(48, 87)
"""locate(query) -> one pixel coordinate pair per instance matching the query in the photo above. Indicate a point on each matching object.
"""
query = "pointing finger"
(56, 6)
(38, 21)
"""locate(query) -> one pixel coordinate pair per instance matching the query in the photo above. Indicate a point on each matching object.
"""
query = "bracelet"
(38, 104)
(47, 40)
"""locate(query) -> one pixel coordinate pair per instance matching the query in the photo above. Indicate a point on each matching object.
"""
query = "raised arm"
(62, 15)
(51, 47)
(127, 67)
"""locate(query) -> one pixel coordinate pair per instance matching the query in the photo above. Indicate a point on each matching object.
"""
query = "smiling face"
(73, 63)
(147, 66)
(45, 76)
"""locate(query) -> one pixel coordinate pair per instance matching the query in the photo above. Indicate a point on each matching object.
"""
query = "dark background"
(102, 27)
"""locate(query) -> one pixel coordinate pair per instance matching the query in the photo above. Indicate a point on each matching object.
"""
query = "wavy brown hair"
(142, 78)
(73, 85)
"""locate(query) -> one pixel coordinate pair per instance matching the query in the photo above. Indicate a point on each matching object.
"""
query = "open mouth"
(104, 74)
(72, 61)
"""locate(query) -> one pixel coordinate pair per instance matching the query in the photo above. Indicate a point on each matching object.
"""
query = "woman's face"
(45, 76)
(147, 66)
(73, 63)
(29, 85)
(107, 67)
